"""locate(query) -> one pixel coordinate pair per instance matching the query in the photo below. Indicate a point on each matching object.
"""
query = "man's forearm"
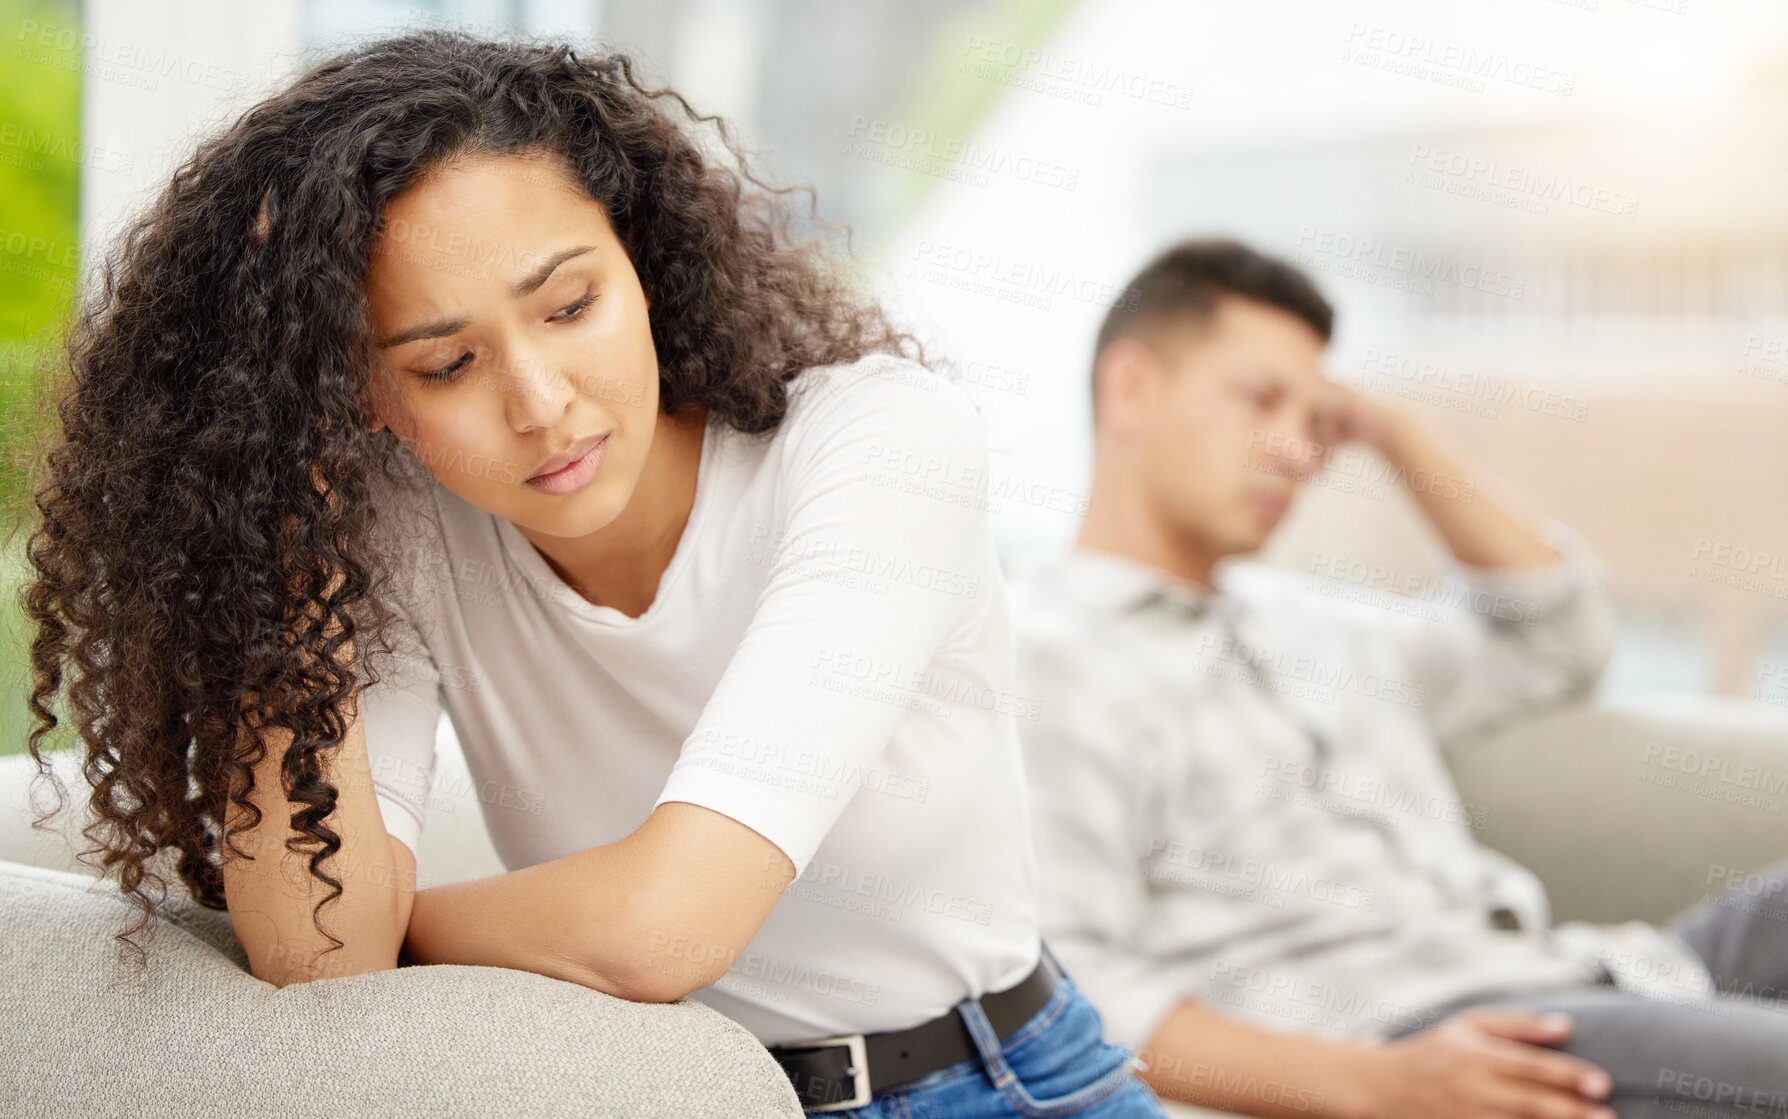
(1205, 1058)
(1489, 530)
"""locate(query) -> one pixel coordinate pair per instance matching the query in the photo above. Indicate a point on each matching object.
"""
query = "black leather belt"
(838, 1073)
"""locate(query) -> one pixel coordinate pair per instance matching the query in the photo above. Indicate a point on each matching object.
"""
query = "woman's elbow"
(283, 967)
(657, 977)
(650, 988)
(653, 964)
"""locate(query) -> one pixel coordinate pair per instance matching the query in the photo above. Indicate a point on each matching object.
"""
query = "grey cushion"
(198, 1035)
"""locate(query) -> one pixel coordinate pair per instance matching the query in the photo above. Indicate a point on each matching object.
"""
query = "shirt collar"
(1105, 580)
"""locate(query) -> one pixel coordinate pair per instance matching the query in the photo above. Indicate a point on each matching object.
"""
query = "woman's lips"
(1271, 506)
(575, 474)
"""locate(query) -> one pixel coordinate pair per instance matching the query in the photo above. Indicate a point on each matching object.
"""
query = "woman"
(466, 346)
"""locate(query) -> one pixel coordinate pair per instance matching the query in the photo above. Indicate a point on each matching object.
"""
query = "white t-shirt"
(828, 660)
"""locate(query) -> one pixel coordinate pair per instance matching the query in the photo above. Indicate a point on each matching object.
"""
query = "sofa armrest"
(1632, 807)
(196, 1034)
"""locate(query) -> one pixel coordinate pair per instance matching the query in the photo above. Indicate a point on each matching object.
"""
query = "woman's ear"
(374, 396)
(263, 224)
(371, 418)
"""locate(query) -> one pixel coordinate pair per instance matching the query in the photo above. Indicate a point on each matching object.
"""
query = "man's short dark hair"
(1182, 286)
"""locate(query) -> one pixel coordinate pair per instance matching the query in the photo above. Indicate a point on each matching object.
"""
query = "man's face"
(524, 374)
(1229, 425)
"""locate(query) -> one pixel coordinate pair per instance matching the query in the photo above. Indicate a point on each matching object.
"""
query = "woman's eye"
(564, 314)
(449, 372)
(568, 314)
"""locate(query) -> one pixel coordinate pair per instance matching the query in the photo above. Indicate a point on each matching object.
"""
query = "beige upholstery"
(1624, 809)
(200, 1036)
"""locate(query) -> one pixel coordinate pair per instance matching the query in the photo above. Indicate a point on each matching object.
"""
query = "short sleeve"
(882, 553)
(399, 716)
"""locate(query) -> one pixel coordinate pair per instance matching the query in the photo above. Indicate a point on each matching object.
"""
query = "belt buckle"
(859, 1070)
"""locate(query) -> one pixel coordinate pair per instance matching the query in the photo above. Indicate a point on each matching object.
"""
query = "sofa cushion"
(1632, 808)
(197, 1035)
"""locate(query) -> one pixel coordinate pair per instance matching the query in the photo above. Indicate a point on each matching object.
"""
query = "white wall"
(158, 74)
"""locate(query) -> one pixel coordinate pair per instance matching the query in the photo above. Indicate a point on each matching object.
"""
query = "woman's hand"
(1486, 1064)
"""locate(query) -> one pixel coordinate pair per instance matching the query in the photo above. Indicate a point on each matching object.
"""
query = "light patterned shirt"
(1239, 796)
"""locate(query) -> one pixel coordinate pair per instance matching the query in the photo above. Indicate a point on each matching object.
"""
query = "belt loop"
(986, 1042)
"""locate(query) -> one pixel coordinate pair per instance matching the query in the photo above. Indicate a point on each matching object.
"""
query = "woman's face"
(509, 328)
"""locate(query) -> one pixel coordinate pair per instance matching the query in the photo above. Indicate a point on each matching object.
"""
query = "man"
(1252, 856)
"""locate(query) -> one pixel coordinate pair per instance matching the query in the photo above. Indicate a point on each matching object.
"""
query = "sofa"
(199, 1036)
(1629, 808)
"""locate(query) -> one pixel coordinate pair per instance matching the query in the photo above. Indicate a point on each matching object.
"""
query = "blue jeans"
(1057, 1063)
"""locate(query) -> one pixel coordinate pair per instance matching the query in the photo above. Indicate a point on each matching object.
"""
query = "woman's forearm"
(521, 919)
(272, 896)
(650, 917)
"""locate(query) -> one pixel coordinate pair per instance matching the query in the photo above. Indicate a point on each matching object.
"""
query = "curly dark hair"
(209, 497)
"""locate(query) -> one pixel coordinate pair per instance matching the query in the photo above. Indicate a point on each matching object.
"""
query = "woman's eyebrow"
(528, 284)
(525, 286)
(438, 329)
